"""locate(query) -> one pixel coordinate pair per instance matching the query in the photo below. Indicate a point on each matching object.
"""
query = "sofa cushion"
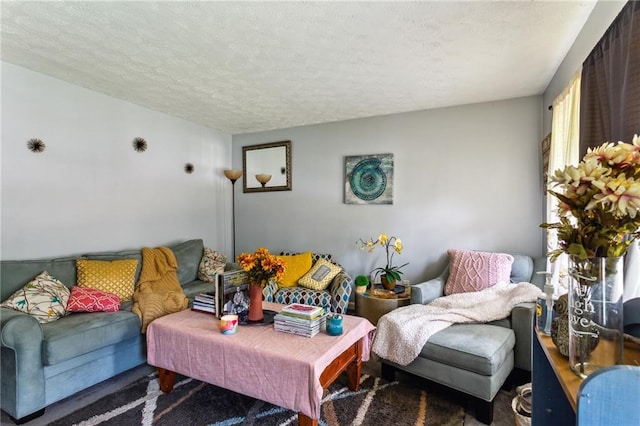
(44, 298)
(188, 255)
(314, 256)
(480, 348)
(475, 270)
(111, 276)
(80, 333)
(118, 255)
(320, 275)
(288, 295)
(91, 300)
(211, 264)
(194, 288)
(14, 274)
(296, 266)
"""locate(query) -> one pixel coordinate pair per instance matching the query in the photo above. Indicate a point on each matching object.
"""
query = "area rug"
(192, 403)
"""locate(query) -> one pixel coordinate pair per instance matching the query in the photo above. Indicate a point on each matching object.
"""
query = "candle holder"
(334, 325)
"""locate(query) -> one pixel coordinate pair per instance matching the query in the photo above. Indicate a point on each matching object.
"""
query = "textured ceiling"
(243, 66)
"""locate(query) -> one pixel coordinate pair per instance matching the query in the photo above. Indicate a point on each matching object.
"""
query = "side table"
(557, 390)
(372, 307)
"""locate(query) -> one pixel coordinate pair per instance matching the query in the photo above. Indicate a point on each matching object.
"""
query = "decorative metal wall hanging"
(36, 145)
(139, 144)
(189, 168)
(368, 179)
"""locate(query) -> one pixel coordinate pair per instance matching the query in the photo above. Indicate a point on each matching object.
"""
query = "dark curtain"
(610, 88)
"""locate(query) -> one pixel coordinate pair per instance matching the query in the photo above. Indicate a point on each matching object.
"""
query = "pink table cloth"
(280, 368)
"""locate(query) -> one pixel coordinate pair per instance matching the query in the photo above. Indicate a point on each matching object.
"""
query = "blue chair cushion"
(480, 348)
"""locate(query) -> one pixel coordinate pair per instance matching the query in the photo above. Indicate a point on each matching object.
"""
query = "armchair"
(334, 298)
(476, 359)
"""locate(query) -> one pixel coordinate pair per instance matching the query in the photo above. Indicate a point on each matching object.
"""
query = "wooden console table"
(555, 387)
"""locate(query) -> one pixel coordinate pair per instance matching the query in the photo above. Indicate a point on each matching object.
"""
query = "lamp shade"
(232, 174)
(263, 178)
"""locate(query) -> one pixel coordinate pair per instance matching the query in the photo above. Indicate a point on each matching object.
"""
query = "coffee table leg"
(167, 377)
(354, 370)
(304, 420)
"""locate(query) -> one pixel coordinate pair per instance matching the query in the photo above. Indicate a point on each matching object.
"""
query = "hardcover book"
(303, 311)
(226, 286)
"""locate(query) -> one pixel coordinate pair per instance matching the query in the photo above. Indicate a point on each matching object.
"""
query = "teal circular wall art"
(369, 179)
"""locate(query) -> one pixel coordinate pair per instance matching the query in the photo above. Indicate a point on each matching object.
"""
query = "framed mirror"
(267, 167)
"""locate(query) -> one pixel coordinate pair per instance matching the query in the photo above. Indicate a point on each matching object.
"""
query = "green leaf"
(394, 274)
(577, 250)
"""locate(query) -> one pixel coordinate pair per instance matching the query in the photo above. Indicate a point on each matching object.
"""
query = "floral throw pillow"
(84, 299)
(211, 264)
(44, 298)
(471, 271)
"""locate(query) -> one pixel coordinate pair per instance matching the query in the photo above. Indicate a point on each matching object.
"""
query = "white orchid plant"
(599, 202)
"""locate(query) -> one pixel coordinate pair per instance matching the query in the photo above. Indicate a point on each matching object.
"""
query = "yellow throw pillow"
(296, 266)
(320, 276)
(115, 276)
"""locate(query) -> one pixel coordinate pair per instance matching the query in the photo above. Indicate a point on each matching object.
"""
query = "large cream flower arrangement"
(599, 202)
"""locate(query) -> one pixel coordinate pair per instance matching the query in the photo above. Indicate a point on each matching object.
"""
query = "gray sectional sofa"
(44, 363)
(476, 359)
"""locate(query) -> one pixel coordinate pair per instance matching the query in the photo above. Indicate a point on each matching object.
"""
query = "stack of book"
(303, 320)
(204, 302)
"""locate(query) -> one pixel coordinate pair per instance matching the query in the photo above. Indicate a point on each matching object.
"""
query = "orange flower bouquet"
(262, 267)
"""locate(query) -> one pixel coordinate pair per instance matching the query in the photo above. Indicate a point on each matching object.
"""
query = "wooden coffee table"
(284, 369)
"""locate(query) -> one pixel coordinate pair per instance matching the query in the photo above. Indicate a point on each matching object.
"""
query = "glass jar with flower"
(599, 217)
(260, 267)
(389, 274)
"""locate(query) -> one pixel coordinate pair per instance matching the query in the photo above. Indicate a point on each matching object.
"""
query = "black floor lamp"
(233, 176)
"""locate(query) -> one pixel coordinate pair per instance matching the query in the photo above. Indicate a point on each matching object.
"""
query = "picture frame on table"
(227, 285)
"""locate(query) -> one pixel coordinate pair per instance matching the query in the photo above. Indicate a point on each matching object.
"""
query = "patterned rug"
(196, 403)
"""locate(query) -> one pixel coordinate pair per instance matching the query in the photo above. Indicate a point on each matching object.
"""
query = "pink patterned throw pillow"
(471, 271)
(85, 299)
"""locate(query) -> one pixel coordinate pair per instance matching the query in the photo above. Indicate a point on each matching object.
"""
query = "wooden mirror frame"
(251, 184)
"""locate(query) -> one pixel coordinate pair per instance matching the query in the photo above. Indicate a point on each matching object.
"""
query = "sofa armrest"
(22, 370)
(427, 291)
(522, 320)
(340, 289)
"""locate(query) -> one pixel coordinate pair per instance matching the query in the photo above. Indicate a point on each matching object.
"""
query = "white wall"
(465, 177)
(89, 190)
